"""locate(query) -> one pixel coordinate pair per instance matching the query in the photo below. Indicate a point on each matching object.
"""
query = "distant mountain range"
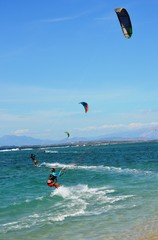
(12, 140)
(143, 134)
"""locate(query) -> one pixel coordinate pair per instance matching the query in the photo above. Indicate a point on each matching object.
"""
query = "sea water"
(108, 192)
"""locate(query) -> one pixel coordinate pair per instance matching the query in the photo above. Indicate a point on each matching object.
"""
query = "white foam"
(96, 198)
(10, 150)
(59, 165)
(74, 201)
(26, 149)
(98, 168)
(50, 151)
(115, 169)
(62, 191)
(40, 198)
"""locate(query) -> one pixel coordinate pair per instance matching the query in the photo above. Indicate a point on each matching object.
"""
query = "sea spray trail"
(72, 201)
(49, 151)
(98, 168)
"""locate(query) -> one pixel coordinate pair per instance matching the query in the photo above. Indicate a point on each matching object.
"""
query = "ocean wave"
(61, 152)
(55, 147)
(84, 192)
(16, 149)
(89, 201)
(22, 223)
(98, 168)
(59, 165)
(50, 151)
(26, 149)
(73, 201)
(10, 150)
(115, 169)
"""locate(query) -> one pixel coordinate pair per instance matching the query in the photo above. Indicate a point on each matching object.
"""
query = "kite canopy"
(85, 105)
(68, 134)
(125, 21)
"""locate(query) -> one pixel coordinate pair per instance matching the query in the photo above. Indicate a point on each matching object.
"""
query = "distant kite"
(85, 105)
(125, 21)
(68, 134)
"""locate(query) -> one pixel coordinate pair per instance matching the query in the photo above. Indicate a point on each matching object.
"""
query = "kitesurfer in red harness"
(52, 180)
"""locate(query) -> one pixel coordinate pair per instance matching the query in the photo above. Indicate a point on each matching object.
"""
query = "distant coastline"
(69, 144)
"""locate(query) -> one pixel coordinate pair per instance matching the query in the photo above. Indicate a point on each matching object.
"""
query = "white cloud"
(53, 20)
(61, 19)
(111, 127)
(20, 132)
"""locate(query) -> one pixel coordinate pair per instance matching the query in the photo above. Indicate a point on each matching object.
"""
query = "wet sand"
(155, 237)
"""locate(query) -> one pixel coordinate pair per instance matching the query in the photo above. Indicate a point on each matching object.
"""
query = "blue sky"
(55, 54)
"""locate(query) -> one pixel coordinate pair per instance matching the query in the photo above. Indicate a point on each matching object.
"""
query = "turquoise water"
(108, 192)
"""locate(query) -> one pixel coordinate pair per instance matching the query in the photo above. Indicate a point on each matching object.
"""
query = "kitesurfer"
(52, 180)
(33, 157)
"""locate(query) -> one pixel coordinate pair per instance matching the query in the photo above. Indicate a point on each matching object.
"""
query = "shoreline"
(77, 143)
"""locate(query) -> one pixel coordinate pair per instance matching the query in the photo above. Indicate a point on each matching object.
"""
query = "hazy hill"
(141, 134)
(11, 140)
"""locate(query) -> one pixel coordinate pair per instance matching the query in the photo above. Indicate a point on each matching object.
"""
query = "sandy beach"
(150, 238)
